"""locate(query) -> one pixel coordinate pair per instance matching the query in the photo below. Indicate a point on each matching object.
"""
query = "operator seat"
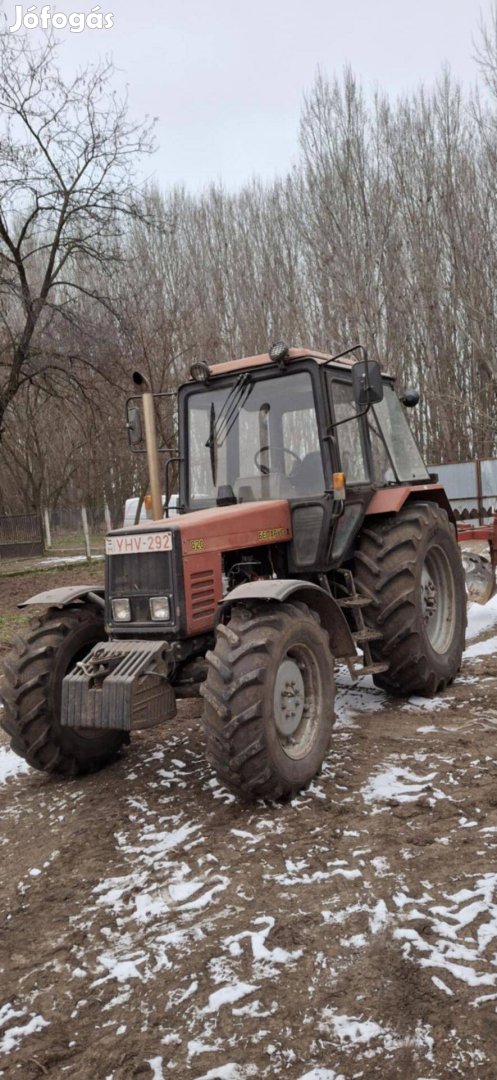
(307, 475)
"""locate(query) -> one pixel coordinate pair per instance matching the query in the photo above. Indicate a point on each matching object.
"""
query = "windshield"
(405, 456)
(259, 438)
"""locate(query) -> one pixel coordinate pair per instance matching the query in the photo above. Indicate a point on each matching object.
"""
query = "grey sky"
(226, 79)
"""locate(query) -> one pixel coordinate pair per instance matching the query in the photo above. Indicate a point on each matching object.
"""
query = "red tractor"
(309, 532)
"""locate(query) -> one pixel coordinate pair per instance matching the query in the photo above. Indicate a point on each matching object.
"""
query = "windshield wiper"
(220, 428)
(211, 443)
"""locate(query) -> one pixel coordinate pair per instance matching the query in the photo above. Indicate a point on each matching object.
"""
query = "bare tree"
(67, 152)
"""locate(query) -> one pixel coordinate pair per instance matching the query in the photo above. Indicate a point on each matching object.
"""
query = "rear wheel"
(410, 568)
(32, 687)
(268, 700)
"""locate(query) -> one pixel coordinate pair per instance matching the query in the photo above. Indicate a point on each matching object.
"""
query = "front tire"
(268, 700)
(409, 566)
(32, 689)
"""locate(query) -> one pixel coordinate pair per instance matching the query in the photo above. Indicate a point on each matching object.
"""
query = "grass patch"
(12, 623)
(20, 583)
(20, 570)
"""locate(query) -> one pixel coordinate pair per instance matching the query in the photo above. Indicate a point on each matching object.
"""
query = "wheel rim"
(297, 699)
(438, 599)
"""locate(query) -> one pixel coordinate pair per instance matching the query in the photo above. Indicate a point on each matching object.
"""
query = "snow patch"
(397, 782)
(230, 1071)
(481, 618)
(347, 1029)
(227, 995)
(322, 1074)
(257, 941)
(156, 1067)
(481, 648)
(13, 1035)
(462, 929)
(11, 764)
(63, 560)
(380, 917)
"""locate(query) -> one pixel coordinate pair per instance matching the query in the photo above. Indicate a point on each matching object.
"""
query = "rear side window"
(392, 421)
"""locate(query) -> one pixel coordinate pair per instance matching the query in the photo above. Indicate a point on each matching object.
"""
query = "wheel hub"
(289, 698)
(429, 595)
(438, 599)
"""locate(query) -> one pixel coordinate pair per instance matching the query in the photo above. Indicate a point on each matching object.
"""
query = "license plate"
(138, 543)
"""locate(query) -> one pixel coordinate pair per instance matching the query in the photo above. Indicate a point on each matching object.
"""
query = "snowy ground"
(152, 927)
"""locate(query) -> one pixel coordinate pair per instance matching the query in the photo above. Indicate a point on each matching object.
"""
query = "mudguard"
(330, 613)
(391, 500)
(67, 595)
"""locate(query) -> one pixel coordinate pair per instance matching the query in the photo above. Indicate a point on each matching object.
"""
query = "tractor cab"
(320, 432)
(288, 430)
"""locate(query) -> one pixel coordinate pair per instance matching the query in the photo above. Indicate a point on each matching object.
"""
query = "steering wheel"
(264, 469)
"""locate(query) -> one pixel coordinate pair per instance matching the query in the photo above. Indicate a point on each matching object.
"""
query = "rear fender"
(67, 595)
(320, 601)
(391, 500)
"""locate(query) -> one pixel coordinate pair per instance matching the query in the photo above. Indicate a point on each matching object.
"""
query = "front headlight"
(121, 610)
(160, 608)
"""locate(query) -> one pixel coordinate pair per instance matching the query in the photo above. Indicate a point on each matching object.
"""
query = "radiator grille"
(203, 595)
(138, 577)
(149, 573)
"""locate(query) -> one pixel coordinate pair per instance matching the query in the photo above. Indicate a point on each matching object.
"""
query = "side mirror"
(410, 398)
(134, 425)
(367, 383)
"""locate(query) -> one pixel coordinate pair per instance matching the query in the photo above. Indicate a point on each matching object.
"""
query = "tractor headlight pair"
(160, 609)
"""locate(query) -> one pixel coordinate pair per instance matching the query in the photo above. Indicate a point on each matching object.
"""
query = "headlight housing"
(160, 608)
(121, 610)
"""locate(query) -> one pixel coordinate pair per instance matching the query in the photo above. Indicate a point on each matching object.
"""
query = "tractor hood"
(220, 528)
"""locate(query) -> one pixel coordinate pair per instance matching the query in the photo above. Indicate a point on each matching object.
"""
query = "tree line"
(383, 232)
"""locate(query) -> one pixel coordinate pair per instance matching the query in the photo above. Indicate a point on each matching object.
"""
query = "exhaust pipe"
(480, 577)
(145, 389)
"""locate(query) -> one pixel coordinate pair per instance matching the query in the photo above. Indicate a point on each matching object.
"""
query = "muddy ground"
(153, 927)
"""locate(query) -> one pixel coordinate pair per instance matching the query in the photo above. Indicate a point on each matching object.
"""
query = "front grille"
(202, 592)
(149, 573)
(138, 576)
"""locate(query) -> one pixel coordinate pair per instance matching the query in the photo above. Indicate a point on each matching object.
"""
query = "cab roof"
(264, 359)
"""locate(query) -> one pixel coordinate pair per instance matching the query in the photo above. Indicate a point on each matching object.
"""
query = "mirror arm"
(347, 352)
(354, 348)
(349, 418)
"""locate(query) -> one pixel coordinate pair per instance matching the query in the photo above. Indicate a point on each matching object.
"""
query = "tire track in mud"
(152, 926)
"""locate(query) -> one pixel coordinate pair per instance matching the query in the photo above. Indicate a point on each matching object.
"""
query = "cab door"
(351, 446)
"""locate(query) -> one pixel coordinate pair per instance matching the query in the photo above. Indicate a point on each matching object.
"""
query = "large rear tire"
(409, 566)
(32, 688)
(268, 700)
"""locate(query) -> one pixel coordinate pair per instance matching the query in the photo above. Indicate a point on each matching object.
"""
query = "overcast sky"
(226, 79)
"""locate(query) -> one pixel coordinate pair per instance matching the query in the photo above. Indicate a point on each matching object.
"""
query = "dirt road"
(152, 927)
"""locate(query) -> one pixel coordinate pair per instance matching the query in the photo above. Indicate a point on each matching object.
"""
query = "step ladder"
(362, 635)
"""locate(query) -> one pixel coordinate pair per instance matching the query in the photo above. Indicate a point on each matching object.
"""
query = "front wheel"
(32, 689)
(268, 700)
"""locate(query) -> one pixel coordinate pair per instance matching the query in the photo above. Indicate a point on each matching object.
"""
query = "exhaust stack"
(143, 385)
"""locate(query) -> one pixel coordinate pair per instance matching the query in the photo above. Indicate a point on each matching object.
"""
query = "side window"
(349, 434)
(382, 466)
